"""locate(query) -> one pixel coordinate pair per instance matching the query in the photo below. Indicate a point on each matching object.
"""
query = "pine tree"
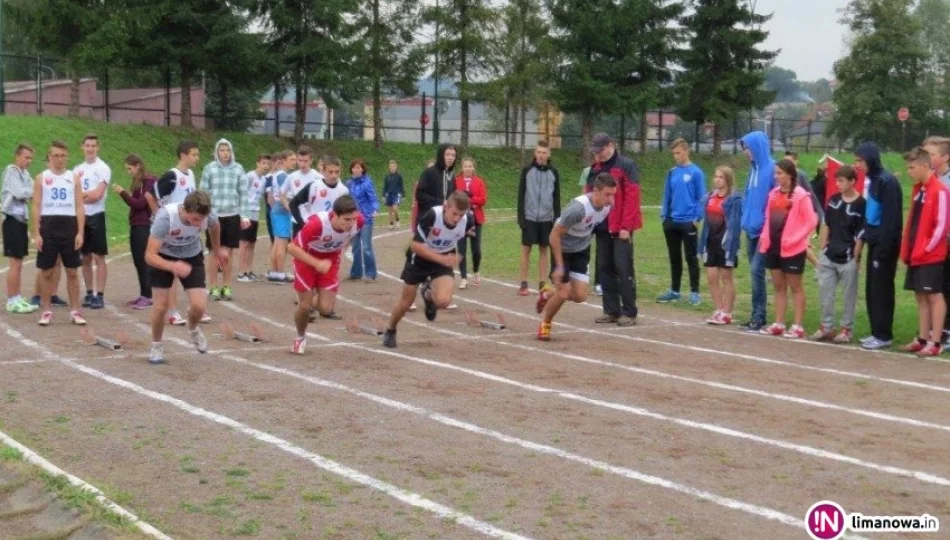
(723, 66)
(466, 29)
(605, 68)
(881, 73)
(387, 52)
(308, 38)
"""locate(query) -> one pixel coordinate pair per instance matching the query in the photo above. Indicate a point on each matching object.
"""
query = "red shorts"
(306, 277)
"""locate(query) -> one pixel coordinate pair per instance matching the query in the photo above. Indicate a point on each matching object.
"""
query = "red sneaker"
(774, 329)
(930, 350)
(543, 296)
(544, 332)
(913, 347)
(523, 290)
(795, 332)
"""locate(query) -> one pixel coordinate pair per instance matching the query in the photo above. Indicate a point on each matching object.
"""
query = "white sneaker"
(198, 338)
(175, 319)
(156, 355)
(413, 307)
(300, 345)
(463, 285)
(77, 319)
(598, 290)
(46, 318)
(244, 278)
(205, 318)
(452, 307)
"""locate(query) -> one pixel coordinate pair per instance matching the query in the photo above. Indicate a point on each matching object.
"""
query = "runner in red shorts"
(317, 250)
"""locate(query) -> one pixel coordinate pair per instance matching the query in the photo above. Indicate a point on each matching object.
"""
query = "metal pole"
(106, 94)
(39, 85)
(3, 89)
(808, 138)
(435, 116)
(659, 144)
(696, 139)
(168, 96)
(422, 113)
(277, 110)
(623, 132)
(735, 136)
(772, 136)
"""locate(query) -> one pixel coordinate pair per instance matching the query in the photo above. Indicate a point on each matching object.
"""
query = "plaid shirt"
(227, 188)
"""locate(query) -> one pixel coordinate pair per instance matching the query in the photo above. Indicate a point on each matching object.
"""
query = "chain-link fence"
(36, 85)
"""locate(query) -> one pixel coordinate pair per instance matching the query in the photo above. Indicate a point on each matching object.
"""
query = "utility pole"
(435, 112)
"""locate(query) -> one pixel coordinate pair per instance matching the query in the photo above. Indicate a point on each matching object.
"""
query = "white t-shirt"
(59, 194)
(295, 183)
(322, 196)
(90, 176)
(255, 190)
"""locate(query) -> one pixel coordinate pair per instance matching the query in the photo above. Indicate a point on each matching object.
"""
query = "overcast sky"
(808, 34)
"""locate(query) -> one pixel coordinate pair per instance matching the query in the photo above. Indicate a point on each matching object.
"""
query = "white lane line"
(785, 445)
(410, 498)
(21, 362)
(33, 458)
(726, 502)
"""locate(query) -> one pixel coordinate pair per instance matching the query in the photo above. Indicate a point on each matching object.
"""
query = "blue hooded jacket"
(363, 190)
(884, 213)
(760, 183)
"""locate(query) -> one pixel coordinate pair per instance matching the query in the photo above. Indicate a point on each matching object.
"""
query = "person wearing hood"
(883, 231)
(755, 145)
(438, 181)
(539, 205)
(224, 180)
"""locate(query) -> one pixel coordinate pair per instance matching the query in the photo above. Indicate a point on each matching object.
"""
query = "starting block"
(254, 336)
(121, 339)
(498, 322)
(376, 326)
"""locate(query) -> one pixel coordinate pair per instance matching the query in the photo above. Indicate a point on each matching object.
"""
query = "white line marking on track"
(726, 502)
(21, 362)
(806, 450)
(711, 384)
(33, 458)
(410, 498)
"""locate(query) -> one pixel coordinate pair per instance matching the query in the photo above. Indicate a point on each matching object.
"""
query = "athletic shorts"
(925, 279)
(161, 279)
(281, 225)
(418, 270)
(393, 199)
(794, 265)
(16, 238)
(716, 258)
(95, 241)
(306, 277)
(250, 234)
(59, 241)
(577, 265)
(535, 233)
(230, 232)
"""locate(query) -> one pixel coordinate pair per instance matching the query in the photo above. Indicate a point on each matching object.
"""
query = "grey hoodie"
(225, 183)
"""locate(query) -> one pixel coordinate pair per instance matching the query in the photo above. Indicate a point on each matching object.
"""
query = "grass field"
(499, 167)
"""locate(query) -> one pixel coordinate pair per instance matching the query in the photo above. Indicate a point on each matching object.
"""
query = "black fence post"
(105, 82)
(422, 115)
(659, 144)
(623, 133)
(39, 85)
(696, 139)
(808, 137)
(772, 135)
(168, 96)
(735, 136)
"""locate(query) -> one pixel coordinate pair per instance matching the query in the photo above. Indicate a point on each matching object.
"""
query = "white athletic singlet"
(592, 217)
(441, 238)
(323, 196)
(59, 194)
(184, 184)
(330, 240)
(180, 234)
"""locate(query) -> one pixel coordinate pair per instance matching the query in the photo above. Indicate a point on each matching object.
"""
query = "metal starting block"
(253, 336)
(121, 339)
(497, 324)
(376, 326)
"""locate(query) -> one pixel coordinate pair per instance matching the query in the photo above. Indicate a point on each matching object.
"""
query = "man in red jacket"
(615, 235)
(924, 250)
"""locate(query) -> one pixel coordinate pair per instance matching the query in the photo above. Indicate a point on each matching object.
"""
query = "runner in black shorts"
(94, 176)
(174, 251)
(431, 259)
(15, 198)
(570, 250)
(57, 199)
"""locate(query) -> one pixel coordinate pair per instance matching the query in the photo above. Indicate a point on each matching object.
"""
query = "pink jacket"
(801, 223)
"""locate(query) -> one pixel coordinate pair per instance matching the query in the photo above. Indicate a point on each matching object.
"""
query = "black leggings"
(476, 252)
(680, 238)
(138, 240)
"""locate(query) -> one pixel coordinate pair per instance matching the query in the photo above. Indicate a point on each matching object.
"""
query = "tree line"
(592, 58)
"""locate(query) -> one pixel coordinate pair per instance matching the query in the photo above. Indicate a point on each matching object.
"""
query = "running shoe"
(430, 310)
(844, 336)
(144, 303)
(714, 318)
(932, 349)
(21, 307)
(133, 303)
(606, 319)
(226, 293)
(333, 316)
(389, 339)
(598, 290)
(914, 346)
(300, 345)
(214, 294)
(87, 300)
(476, 279)
(274, 278)
(875, 344)
(774, 329)
(156, 355)
(545, 295)
(626, 321)
(866, 340)
(245, 278)
(198, 338)
(695, 299)
(668, 297)
(175, 319)
(795, 332)
(824, 333)
(726, 318)
(205, 318)
(413, 307)
(753, 327)
(253, 277)
(523, 290)
(76, 318)
(544, 332)
(36, 300)
(58, 302)
(98, 302)
(46, 318)
(463, 284)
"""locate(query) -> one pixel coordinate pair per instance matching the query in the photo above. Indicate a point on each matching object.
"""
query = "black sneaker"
(333, 316)
(87, 300)
(751, 326)
(389, 339)
(58, 302)
(946, 338)
(431, 310)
